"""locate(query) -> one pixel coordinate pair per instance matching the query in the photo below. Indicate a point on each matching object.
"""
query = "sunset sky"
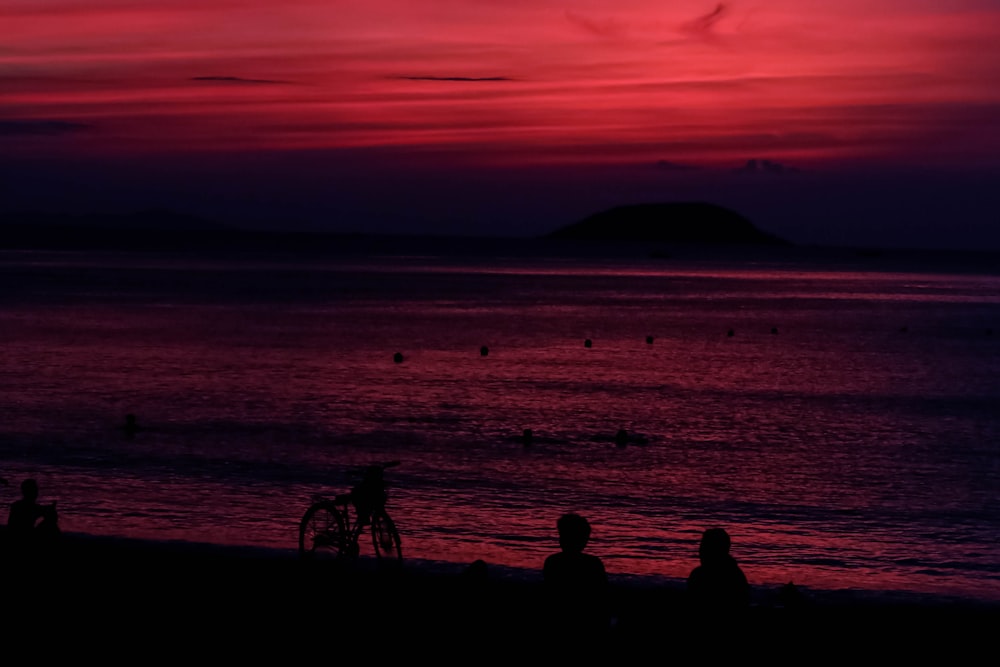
(879, 119)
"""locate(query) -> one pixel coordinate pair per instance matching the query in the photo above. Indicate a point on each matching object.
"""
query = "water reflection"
(836, 452)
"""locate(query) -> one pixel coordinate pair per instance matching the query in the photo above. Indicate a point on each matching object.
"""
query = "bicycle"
(327, 531)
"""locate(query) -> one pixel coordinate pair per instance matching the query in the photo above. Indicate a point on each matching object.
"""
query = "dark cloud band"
(34, 128)
(454, 78)
(237, 79)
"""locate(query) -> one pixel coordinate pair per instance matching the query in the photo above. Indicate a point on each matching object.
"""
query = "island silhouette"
(673, 222)
(670, 222)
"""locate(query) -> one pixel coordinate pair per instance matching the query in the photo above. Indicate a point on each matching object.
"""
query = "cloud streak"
(609, 27)
(40, 128)
(759, 166)
(238, 80)
(472, 79)
(703, 25)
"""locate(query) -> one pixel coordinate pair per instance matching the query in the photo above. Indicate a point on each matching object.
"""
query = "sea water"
(838, 417)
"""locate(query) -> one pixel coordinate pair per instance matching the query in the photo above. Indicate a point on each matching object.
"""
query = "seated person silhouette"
(30, 523)
(475, 614)
(576, 583)
(718, 584)
(477, 573)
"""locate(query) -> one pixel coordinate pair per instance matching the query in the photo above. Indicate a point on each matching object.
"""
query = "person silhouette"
(477, 573)
(576, 583)
(718, 583)
(28, 522)
(473, 613)
(131, 426)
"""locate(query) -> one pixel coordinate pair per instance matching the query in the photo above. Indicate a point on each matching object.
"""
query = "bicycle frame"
(352, 528)
(329, 528)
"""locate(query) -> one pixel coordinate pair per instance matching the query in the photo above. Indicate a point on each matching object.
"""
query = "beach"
(136, 601)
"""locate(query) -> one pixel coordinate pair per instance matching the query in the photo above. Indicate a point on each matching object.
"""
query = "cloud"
(704, 24)
(35, 128)
(601, 28)
(754, 166)
(667, 165)
(238, 80)
(454, 78)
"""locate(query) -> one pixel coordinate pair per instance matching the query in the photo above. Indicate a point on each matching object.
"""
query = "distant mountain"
(674, 222)
(154, 218)
(142, 229)
(159, 230)
(163, 230)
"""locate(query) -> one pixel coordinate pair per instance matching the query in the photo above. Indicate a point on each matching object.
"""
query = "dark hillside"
(678, 222)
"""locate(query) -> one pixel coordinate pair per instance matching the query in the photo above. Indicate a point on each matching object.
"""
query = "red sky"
(574, 94)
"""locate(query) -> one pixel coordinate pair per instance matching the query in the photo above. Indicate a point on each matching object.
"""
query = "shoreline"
(253, 246)
(119, 551)
(184, 596)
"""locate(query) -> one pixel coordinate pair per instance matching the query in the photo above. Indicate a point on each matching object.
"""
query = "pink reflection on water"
(838, 453)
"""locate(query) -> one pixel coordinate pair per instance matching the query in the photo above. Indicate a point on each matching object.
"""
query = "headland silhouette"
(673, 222)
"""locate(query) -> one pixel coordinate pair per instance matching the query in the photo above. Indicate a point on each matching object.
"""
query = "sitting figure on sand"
(576, 583)
(29, 522)
(717, 584)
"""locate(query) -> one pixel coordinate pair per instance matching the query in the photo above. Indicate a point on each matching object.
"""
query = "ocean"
(836, 412)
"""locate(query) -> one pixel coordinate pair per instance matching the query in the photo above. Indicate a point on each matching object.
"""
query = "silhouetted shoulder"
(719, 584)
(577, 608)
(574, 569)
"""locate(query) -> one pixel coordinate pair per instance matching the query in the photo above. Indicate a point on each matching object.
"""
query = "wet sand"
(138, 602)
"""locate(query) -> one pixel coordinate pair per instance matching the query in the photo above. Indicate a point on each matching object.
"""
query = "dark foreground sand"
(134, 602)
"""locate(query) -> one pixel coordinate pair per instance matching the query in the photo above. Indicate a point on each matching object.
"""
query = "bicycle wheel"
(385, 537)
(321, 533)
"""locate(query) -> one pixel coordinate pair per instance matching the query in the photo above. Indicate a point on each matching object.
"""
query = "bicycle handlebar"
(366, 471)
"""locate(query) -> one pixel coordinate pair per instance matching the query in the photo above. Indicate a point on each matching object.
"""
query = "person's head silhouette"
(477, 571)
(574, 532)
(29, 489)
(715, 544)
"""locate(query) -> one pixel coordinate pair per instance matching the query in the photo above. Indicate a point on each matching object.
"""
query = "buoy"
(621, 438)
(649, 340)
(398, 357)
(131, 426)
(483, 351)
(587, 343)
